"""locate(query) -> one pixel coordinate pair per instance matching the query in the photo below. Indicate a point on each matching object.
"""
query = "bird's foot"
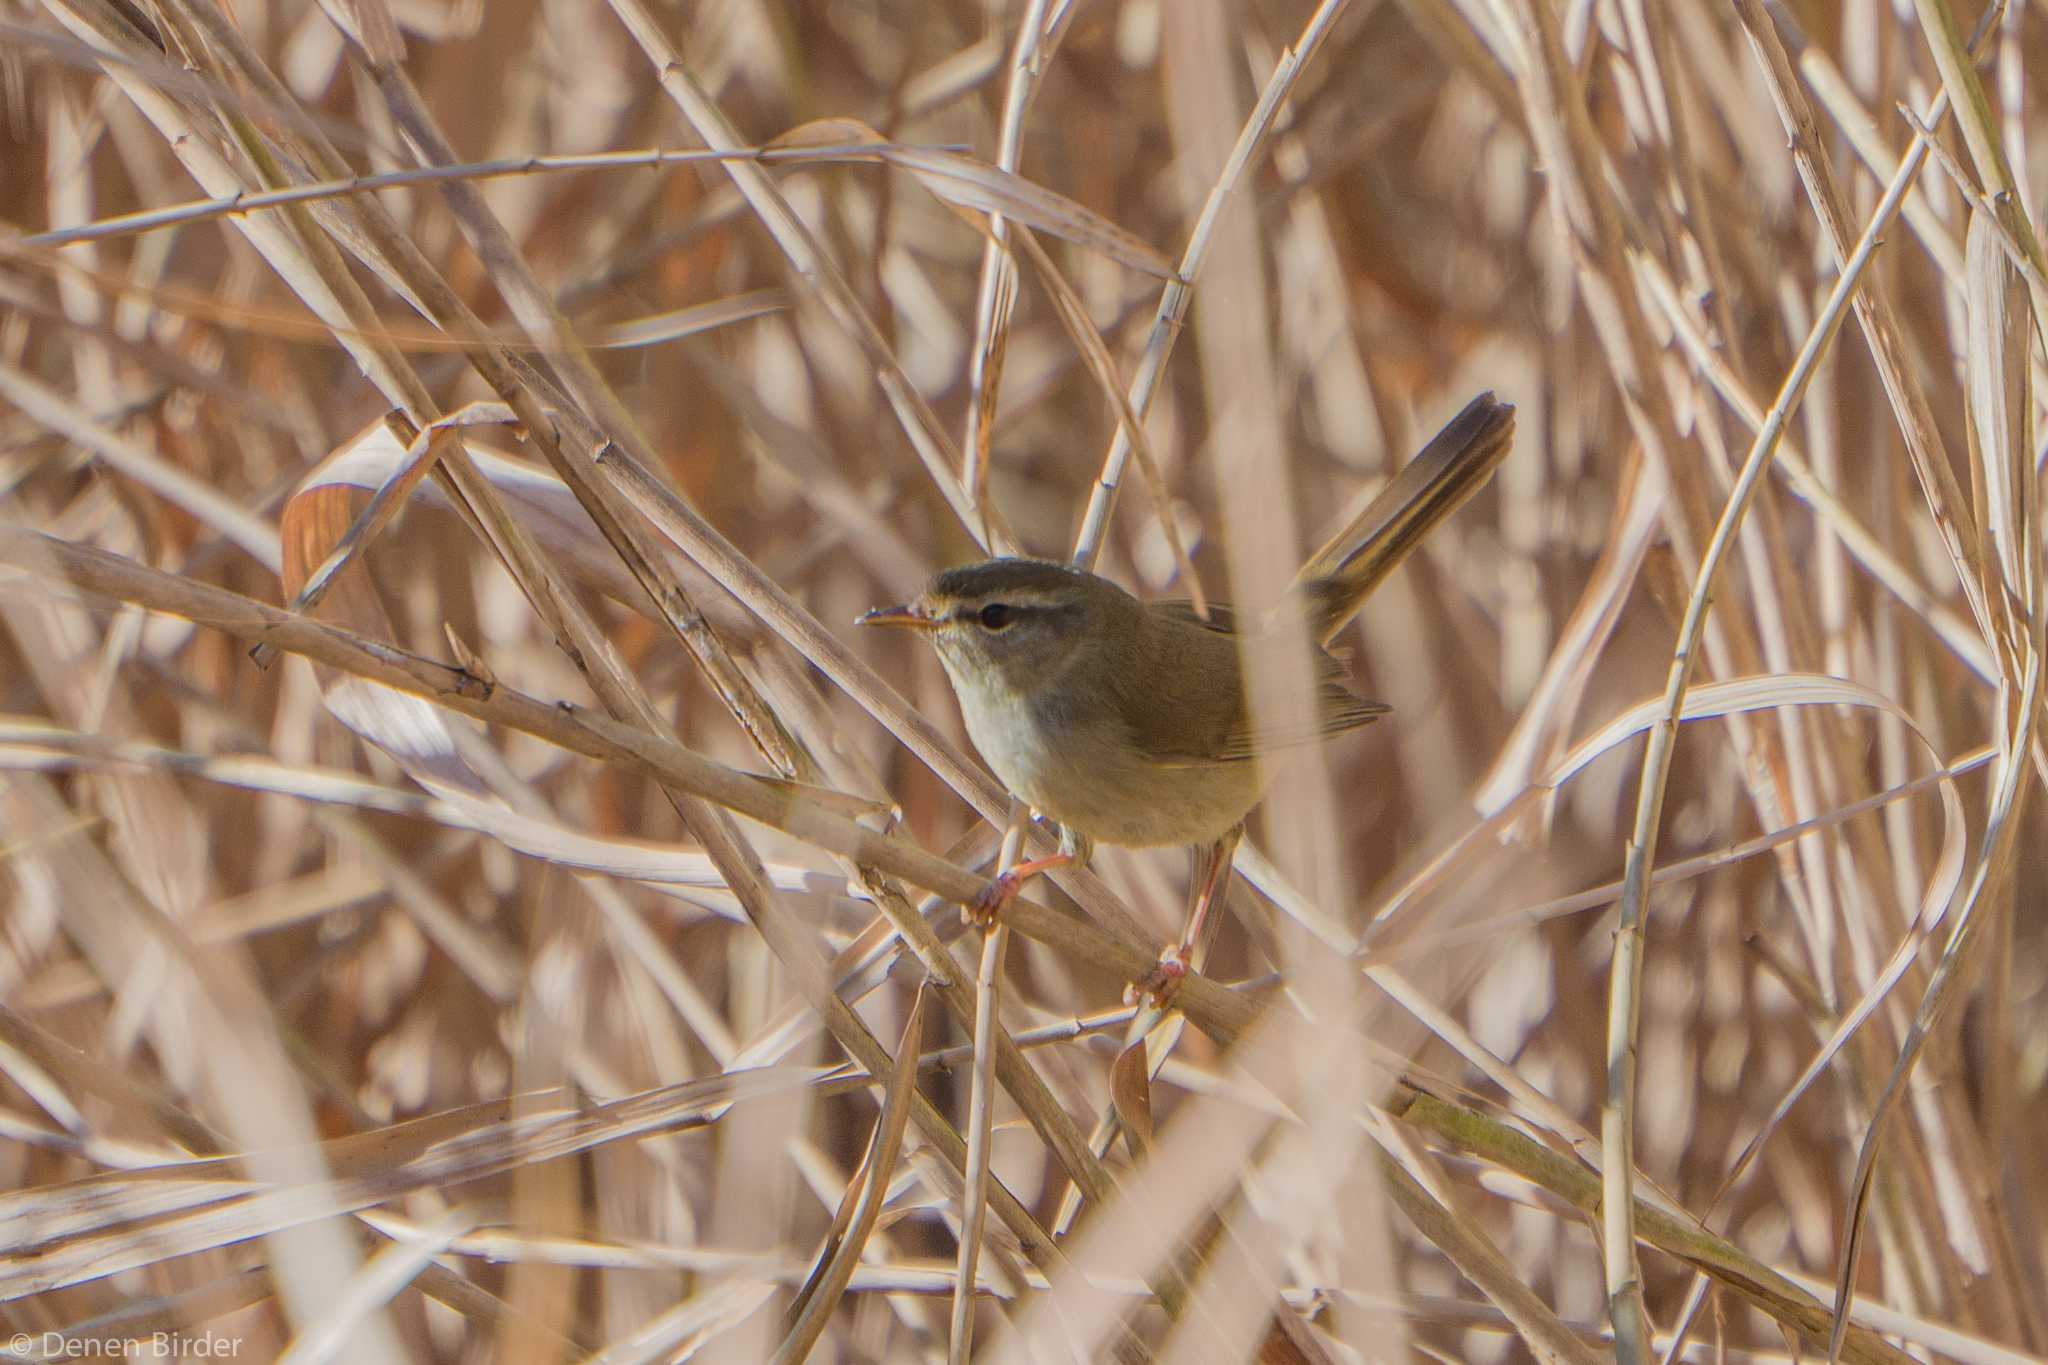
(989, 903)
(1160, 986)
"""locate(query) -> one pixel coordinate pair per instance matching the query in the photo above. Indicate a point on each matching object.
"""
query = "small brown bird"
(1126, 721)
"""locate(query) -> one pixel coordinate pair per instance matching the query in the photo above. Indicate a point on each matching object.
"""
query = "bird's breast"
(1076, 763)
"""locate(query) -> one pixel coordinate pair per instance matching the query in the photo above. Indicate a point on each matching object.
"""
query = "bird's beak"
(910, 616)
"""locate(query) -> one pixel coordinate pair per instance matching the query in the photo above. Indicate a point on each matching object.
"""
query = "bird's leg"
(1211, 873)
(988, 904)
(1076, 845)
(1207, 885)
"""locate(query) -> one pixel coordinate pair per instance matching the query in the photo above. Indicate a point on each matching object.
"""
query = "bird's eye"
(995, 616)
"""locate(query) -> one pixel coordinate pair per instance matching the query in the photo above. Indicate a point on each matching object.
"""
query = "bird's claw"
(1160, 986)
(989, 903)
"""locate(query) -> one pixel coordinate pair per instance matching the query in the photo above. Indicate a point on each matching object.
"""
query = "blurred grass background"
(1588, 207)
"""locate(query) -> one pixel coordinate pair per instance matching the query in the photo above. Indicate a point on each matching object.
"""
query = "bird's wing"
(1222, 617)
(1162, 724)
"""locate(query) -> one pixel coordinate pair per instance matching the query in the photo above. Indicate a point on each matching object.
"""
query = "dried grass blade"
(963, 182)
(1674, 1233)
(90, 1228)
(677, 1334)
(105, 1335)
(1879, 322)
(1764, 692)
(1993, 879)
(842, 1251)
(814, 267)
(1130, 1094)
(1940, 892)
(2001, 413)
(247, 532)
(1869, 551)
(235, 205)
(1488, 926)
(659, 328)
(1540, 734)
(980, 1122)
(1957, 61)
(1080, 329)
(996, 295)
(985, 380)
(202, 155)
(421, 455)
(969, 184)
(1998, 341)
(1175, 300)
(380, 1279)
(32, 745)
(1479, 1261)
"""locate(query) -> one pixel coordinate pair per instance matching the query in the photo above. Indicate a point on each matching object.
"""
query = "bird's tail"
(1451, 468)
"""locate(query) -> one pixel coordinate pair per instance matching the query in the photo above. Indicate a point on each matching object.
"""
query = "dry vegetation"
(521, 1024)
